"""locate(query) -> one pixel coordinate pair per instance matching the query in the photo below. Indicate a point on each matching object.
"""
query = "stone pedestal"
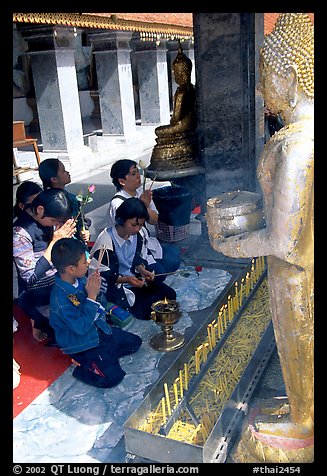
(256, 447)
(96, 113)
(114, 78)
(153, 81)
(192, 178)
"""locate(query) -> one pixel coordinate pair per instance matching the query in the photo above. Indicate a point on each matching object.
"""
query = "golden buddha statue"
(286, 175)
(176, 142)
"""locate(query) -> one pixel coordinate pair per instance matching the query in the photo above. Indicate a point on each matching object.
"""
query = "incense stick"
(172, 272)
(153, 181)
(101, 253)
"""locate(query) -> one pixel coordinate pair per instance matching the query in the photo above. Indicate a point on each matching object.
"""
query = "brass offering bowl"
(232, 213)
(166, 313)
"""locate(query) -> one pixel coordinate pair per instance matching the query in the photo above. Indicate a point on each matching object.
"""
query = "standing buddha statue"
(286, 175)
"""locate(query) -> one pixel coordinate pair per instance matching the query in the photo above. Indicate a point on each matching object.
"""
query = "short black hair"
(66, 252)
(23, 192)
(119, 170)
(131, 208)
(48, 168)
(56, 203)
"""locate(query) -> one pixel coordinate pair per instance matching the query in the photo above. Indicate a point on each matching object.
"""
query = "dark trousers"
(29, 300)
(147, 295)
(169, 263)
(100, 366)
(171, 257)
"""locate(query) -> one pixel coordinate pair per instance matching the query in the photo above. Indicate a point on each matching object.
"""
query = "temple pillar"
(51, 50)
(226, 52)
(114, 77)
(152, 73)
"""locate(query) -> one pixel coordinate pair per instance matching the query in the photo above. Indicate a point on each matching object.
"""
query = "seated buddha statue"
(176, 142)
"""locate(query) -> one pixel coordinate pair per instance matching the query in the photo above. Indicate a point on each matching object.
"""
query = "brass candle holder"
(166, 313)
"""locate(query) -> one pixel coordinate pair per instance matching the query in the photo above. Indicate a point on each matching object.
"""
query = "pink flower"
(84, 201)
(143, 166)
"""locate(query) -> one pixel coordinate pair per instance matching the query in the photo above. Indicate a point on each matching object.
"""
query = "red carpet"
(39, 365)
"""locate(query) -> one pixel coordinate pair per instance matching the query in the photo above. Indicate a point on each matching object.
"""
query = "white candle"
(209, 336)
(186, 376)
(230, 311)
(241, 291)
(163, 410)
(247, 284)
(176, 394)
(167, 398)
(213, 333)
(236, 295)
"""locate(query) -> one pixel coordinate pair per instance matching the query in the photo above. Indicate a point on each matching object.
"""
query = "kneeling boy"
(79, 321)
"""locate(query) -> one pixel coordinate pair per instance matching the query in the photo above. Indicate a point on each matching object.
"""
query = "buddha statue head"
(291, 45)
(182, 67)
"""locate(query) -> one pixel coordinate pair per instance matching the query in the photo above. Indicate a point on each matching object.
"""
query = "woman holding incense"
(126, 178)
(118, 255)
(35, 231)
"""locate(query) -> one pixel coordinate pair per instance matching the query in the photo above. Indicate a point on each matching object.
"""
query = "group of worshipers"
(66, 284)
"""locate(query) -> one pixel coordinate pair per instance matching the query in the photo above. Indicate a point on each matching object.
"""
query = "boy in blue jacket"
(79, 320)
